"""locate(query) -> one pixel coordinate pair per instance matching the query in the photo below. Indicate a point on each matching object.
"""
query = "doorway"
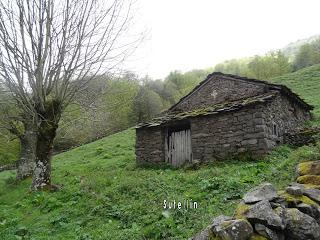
(179, 149)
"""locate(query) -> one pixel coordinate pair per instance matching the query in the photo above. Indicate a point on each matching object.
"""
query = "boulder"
(313, 194)
(238, 229)
(309, 179)
(279, 201)
(262, 212)
(208, 232)
(216, 222)
(309, 168)
(267, 232)
(300, 226)
(311, 210)
(305, 186)
(295, 190)
(205, 234)
(293, 201)
(241, 210)
(265, 191)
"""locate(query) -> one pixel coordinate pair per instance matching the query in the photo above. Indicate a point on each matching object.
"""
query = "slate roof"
(170, 115)
(282, 88)
(211, 110)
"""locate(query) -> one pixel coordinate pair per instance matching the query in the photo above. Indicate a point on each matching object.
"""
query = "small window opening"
(275, 130)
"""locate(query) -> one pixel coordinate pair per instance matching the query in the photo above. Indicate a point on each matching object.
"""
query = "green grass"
(9, 150)
(104, 195)
(306, 83)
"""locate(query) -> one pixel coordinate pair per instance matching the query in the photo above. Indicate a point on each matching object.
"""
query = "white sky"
(190, 34)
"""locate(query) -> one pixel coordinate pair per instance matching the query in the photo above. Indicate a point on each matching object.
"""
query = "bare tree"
(50, 50)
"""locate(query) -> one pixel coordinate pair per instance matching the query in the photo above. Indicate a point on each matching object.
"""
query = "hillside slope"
(306, 83)
(104, 195)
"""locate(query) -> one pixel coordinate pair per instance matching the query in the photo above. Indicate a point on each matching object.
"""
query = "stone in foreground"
(267, 232)
(301, 226)
(309, 179)
(265, 191)
(262, 212)
(313, 194)
(311, 210)
(238, 229)
(294, 190)
(309, 168)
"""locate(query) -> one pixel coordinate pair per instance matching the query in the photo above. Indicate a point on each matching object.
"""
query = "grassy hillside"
(306, 83)
(104, 195)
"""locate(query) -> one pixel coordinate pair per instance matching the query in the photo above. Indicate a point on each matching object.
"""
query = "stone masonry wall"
(149, 146)
(229, 134)
(218, 90)
(282, 116)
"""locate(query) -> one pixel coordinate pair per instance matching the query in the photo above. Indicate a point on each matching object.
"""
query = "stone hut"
(224, 116)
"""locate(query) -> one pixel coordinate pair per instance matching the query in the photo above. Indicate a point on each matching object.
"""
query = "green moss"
(309, 179)
(294, 199)
(309, 168)
(241, 210)
(217, 108)
(256, 236)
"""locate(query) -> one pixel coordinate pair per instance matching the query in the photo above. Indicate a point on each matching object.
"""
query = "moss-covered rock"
(309, 168)
(300, 225)
(241, 210)
(309, 179)
(256, 236)
(238, 229)
(295, 200)
(311, 186)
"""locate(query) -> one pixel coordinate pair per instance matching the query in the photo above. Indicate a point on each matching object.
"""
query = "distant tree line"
(274, 63)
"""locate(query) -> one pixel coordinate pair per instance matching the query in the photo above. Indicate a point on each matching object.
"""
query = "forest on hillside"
(111, 103)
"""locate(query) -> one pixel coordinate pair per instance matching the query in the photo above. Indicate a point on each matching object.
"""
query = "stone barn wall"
(248, 130)
(228, 134)
(218, 90)
(283, 116)
(149, 145)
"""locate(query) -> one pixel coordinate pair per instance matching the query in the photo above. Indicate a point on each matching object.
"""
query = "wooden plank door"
(179, 148)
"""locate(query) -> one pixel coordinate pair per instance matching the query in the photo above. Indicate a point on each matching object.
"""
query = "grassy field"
(104, 195)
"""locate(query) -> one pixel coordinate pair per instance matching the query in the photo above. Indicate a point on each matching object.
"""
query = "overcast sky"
(189, 34)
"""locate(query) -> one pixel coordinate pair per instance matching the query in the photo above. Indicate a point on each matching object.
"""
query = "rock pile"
(264, 213)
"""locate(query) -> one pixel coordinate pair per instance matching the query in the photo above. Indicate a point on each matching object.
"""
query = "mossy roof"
(168, 117)
(217, 75)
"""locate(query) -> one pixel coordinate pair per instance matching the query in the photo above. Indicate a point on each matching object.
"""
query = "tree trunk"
(25, 164)
(45, 137)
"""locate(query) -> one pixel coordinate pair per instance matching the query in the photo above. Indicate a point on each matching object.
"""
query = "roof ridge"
(280, 87)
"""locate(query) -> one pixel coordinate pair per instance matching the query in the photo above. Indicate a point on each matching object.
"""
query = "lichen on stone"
(309, 168)
(295, 199)
(309, 179)
(241, 210)
(257, 237)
